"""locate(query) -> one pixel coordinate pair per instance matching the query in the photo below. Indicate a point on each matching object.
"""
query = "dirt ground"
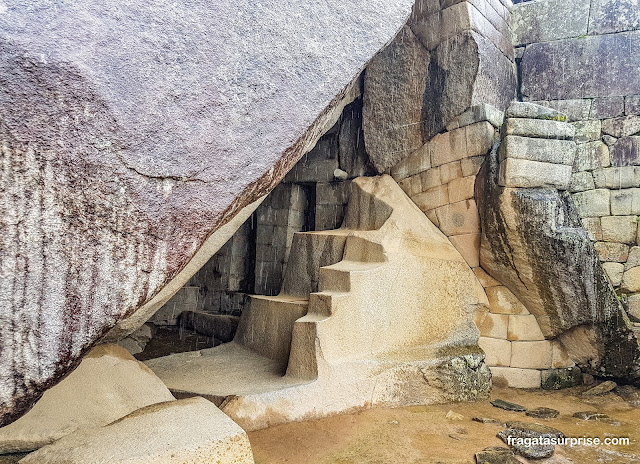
(422, 434)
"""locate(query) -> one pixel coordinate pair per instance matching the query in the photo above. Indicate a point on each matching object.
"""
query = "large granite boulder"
(533, 242)
(130, 133)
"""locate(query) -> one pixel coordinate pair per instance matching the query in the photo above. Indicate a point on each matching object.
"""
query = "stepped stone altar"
(379, 311)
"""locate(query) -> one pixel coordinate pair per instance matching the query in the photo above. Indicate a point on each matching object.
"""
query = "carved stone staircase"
(379, 311)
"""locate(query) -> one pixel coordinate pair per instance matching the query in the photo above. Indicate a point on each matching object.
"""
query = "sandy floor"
(423, 434)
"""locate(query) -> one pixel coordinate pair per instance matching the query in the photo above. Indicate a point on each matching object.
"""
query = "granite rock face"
(534, 244)
(582, 67)
(131, 132)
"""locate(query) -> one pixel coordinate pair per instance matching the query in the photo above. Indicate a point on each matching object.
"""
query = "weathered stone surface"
(607, 16)
(625, 201)
(632, 104)
(508, 406)
(576, 109)
(516, 172)
(592, 226)
(621, 127)
(587, 131)
(612, 252)
(464, 71)
(219, 326)
(496, 455)
(557, 379)
(601, 389)
(531, 354)
(547, 20)
(631, 280)
(137, 341)
(633, 309)
(530, 110)
(630, 394)
(617, 177)
(581, 181)
(539, 128)
(108, 384)
(503, 301)
(620, 229)
(537, 149)
(534, 244)
(575, 68)
(543, 413)
(626, 152)
(517, 430)
(591, 155)
(150, 435)
(524, 327)
(458, 218)
(132, 131)
(498, 352)
(478, 113)
(592, 203)
(607, 107)
(614, 272)
(515, 377)
(394, 88)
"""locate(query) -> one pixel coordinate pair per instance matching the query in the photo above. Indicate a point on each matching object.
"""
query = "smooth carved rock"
(534, 244)
(131, 132)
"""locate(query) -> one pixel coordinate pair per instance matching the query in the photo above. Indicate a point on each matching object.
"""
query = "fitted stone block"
(485, 279)
(540, 128)
(459, 218)
(626, 151)
(503, 301)
(587, 131)
(612, 252)
(607, 16)
(495, 326)
(581, 181)
(471, 166)
(448, 147)
(498, 352)
(575, 109)
(547, 20)
(631, 104)
(432, 198)
(461, 189)
(631, 280)
(478, 113)
(617, 177)
(468, 245)
(620, 229)
(528, 174)
(430, 178)
(515, 378)
(593, 227)
(575, 68)
(536, 149)
(614, 272)
(621, 127)
(480, 138)
(625, 201)
(592, 203)
(420, 160)
(530, 110)
(450, 171)
(591, 155)
(607, 107)
(531, 355)
(633, 309)
(524, 327)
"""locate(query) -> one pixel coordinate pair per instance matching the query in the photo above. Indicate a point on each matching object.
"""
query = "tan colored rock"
(612, 252)
(633, 310)
(191, 430)
(592, 203)
(621, 229)
(497, 351)
(614, 271)
(531, 355)
(471, 166)
(503, 301)
(430, 178)
(593, 227)
(419, 161)
(468, 246)
(524, 327)
(459, 218)
(109, 383)
(516, 378)
(431, 214)
(461, 189)
(448, 147)
(485, 279)
(631, 280)
(432, 198)
(495, 326)
(525, 173)
(450, 171)
(559, 356)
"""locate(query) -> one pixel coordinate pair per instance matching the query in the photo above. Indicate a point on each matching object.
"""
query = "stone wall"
(582, 58)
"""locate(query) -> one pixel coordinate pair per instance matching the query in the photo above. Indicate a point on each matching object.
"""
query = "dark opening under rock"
(543, 413)
(531, 440)
(507, 405)
(496, 455)
(220, 326)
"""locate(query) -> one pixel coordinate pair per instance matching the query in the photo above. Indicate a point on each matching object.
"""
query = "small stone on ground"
(543, 413)
(517, 432)
(506, 405)
(496, 455)
(601, 389)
